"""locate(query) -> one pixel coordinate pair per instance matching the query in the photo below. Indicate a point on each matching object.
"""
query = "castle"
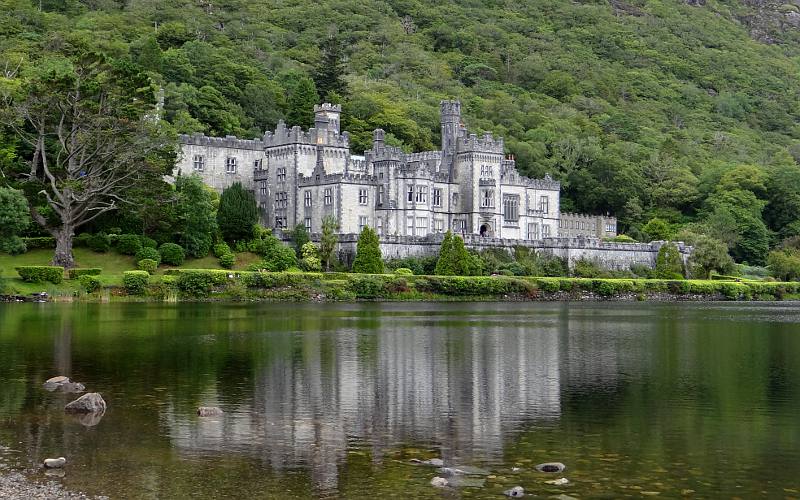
(470, 186)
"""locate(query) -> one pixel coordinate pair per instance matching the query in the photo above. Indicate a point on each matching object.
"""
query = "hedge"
(267, 279)
(90, 283)
(227, 260)
(39, 242)
(198, 283)
(135, 282)
(77, 272)
(172, 253)
(147, 265)
(40, 274)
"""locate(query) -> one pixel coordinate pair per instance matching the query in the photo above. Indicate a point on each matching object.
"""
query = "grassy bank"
(215, 284)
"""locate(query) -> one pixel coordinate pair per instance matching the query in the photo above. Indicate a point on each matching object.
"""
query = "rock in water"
(558, 482)
(88, 403)
(209, 411)
(54, 383)
(55, 463)
(551, 467)
(439, 482)
(73, 387)
(515, 492)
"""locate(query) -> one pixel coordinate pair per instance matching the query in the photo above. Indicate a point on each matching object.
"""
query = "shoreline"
(16, 484)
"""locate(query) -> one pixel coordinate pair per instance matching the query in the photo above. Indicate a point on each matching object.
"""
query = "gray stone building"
(572, 225)
(469, 186)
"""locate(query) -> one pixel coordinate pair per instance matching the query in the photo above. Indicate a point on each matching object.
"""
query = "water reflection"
(460, 387)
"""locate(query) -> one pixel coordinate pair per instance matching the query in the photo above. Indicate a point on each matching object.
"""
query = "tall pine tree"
(237, 213)
(301, 103)
(328, 76)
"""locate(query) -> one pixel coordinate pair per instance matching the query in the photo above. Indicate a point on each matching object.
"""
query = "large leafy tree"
(237, 213)
(14, 218)
(196, 218)
(93, 133)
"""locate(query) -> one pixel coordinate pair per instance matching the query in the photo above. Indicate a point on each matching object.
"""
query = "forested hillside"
(684, 112)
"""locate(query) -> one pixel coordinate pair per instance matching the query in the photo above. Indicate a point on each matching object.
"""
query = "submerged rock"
(515, 492)
(54, 463)
(92, 402)
(439, 482)
(209, 411)
(558, 482)
(553, 467)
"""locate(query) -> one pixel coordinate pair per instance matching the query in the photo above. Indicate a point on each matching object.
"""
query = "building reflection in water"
(460, 388)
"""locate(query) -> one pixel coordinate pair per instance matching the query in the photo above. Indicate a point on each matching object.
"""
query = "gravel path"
(16, 486)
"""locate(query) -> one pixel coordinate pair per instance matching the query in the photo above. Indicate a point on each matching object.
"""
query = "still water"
(333, 401)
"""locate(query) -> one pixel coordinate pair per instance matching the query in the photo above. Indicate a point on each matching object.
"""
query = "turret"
(326, 117)
(450, 113)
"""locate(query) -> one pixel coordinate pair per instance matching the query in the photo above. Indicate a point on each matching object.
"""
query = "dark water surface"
(694, 400)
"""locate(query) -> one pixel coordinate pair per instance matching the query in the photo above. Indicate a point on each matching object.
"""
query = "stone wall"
(613, 256)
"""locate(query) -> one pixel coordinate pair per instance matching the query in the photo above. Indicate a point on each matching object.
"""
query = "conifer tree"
(445, 265)
(329, 240)
(328, 75)
(237, 213)
(301, 103)
(368, 253)
(455, 260)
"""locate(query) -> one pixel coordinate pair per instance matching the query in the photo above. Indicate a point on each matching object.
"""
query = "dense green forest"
(679, 117)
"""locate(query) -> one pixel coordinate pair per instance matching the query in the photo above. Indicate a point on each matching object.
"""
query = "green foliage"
(135, 282)
(784, 264)
(148, 265)
(77, 272)
(237, 214)
(41, 274)
(128, 244)
(14, 219)
(90, 283)
(198, 283)
(418, 265)
(403, 271)
(227, 260)
(366, 286)
(299, 237)
(329, 240)
(620, 238)
(272, 280)
(709, 255)
(172, 254)
(368, 253)
(34, 242)
(221, 249)
(584, 268)
(657, 230)
(148, 242)
(302, 99)
(669, 264)
(310, 260)
(148, 253)
(454, 260)
(197, 222)
(99, 242)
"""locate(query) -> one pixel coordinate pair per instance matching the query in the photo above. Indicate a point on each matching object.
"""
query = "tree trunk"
(63, 256)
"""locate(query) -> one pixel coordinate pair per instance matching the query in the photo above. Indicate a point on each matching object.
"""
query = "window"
(307, 198)
(511, 207)
(280, 221)
(362, 222)
(363, 198)
(458, 225)
(545, 231)
(199, 163)
(281, 173)
(610, 228)
(544, 204)
(380, 175)
(533, 231)
(487, 198)
(455, 199)
(422, 226)
(262, 188)
(308, 224)
(422, 194)
(410, 225)
(437, 197)
(487, 172)
(410, 193)
(380, 194)
(379, 224)
(281, 200)
(327, 196)
(438, 225)
(230, 165)
(257, 164)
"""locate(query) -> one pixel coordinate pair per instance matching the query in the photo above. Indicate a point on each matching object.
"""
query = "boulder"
(558, 482)
(515, 492)
(88, 403)
(54, 383)
(553, 467)
(209, 411)
(54, 463)
(439, 482)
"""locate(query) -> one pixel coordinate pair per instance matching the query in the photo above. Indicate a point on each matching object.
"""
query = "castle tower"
(326, 117)
(450, 117)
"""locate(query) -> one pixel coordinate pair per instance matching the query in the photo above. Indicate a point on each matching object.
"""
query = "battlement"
(450, 108)
(326, 106)
(424, 156)
(283, 136)
(546, 183)
(313, 180)
(229, 141)
(485, 144)
(586, 217)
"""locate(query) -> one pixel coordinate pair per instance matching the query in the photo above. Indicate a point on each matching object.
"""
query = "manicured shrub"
(273, 280)
(90, 283)
(135, 282)
(148, 242)
(279, 257)
(128, 244)
(221, 249)
(198, 283)
(99, 242)
(40, 274)
(77, 272)
(148, 253)
(148, 265)
(367, 286)
(227, 260)
(368, 253)
(40, 242)
(172, 253)
(404, 271)
(547, 285)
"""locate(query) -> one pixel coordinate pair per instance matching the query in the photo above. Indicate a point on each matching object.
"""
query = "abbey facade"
(470, 186)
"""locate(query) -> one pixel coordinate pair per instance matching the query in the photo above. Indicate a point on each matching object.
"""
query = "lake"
(698, 400)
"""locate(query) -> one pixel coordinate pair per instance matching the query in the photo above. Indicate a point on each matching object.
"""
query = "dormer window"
(230, 165)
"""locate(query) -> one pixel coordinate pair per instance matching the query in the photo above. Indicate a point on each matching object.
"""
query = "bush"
(419, 266)
(83, 271)
(404, 271)
(90, 283)
(172, 253)
(368, 253)
(198, 283)
(148, 265)
(227, 260)
(135, 282)
(40, 274)
(39, 242)
(80, 241)
(221, 249)
(367, 286)
(148, 253)
(99, 242)
(274, 280)
(669, 264)
(148, 242)
(585, 268)
(310, 260)
(128, 244)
